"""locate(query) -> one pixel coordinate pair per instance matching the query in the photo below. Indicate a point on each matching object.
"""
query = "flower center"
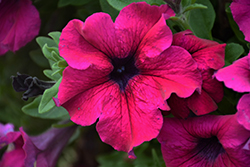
(124, 70)
(209, 148)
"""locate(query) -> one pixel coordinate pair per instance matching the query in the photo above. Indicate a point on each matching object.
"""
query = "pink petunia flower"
(211, 141)
(122, 72)
(241, 14)
(42, 150)
(237, 77)
(20, 23)
(209, 56)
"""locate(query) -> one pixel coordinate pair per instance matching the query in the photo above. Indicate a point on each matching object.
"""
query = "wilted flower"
(20, 23)
(31, 85)
(212, 141)
(123, 72)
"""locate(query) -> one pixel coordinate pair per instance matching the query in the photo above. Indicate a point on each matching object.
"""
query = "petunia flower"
(20, 23)
(122, 72)
(237, 77)
(209, 56)
(42, 150)
(211, 141)
(240, 11)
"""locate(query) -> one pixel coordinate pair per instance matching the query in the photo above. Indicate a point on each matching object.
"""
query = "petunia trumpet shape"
(241, 14)
(237, 77)
(122, 72)
(20, 23)
(211, 141)
(209, 56)
(42, 150)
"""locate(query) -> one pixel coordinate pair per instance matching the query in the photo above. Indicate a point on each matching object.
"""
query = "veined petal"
(204, 141)
(77, 51)
(206, 53)
(75, 81)
(243, 114)
(174, 70)
(237, 75)
(129, 118)
(99, 31)
(134, 22)
(158, 39)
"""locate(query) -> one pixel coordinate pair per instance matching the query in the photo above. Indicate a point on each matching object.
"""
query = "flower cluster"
(138, 80)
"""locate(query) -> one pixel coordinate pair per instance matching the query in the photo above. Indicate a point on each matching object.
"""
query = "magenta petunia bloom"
(237, 77)
(20, 23)
(241, 14)
(243, 112)
(122, 72)
(209, 56)
(211, 141)
(42, 150)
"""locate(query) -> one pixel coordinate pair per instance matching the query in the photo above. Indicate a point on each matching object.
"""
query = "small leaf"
(49, 73)
(38, 58)
(240, 36)
(156, 159)
(47, 102)
(55, 113)
(232, 52)
(202, 20)
(45, 40)
(120, 4)
(194, 6)
(55, 36)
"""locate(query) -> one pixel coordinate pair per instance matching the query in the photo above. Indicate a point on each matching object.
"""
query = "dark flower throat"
(124, 70)
(209, 148)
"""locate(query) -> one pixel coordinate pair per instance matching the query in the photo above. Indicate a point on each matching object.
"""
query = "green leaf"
(49, 73)
(232, 52)
(156, 159)
(119, 4)
(47, 102)
(194, 6)
(63, 3)
(55, 36)
(201, 21)
(45, 40)
(240, 36)
(107, 8)
(55, 113)
(38, 58)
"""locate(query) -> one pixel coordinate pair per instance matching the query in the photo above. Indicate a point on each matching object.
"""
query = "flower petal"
(180, 141)
(99, 31)
(174, 70)
(158, 39)
(243, 113)
(80, 91)
(77, 51)
(240, 12)
(134, 21)
(237, 75)
(206, 53)
(20, 23)
(129, 118)
(4, 129)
